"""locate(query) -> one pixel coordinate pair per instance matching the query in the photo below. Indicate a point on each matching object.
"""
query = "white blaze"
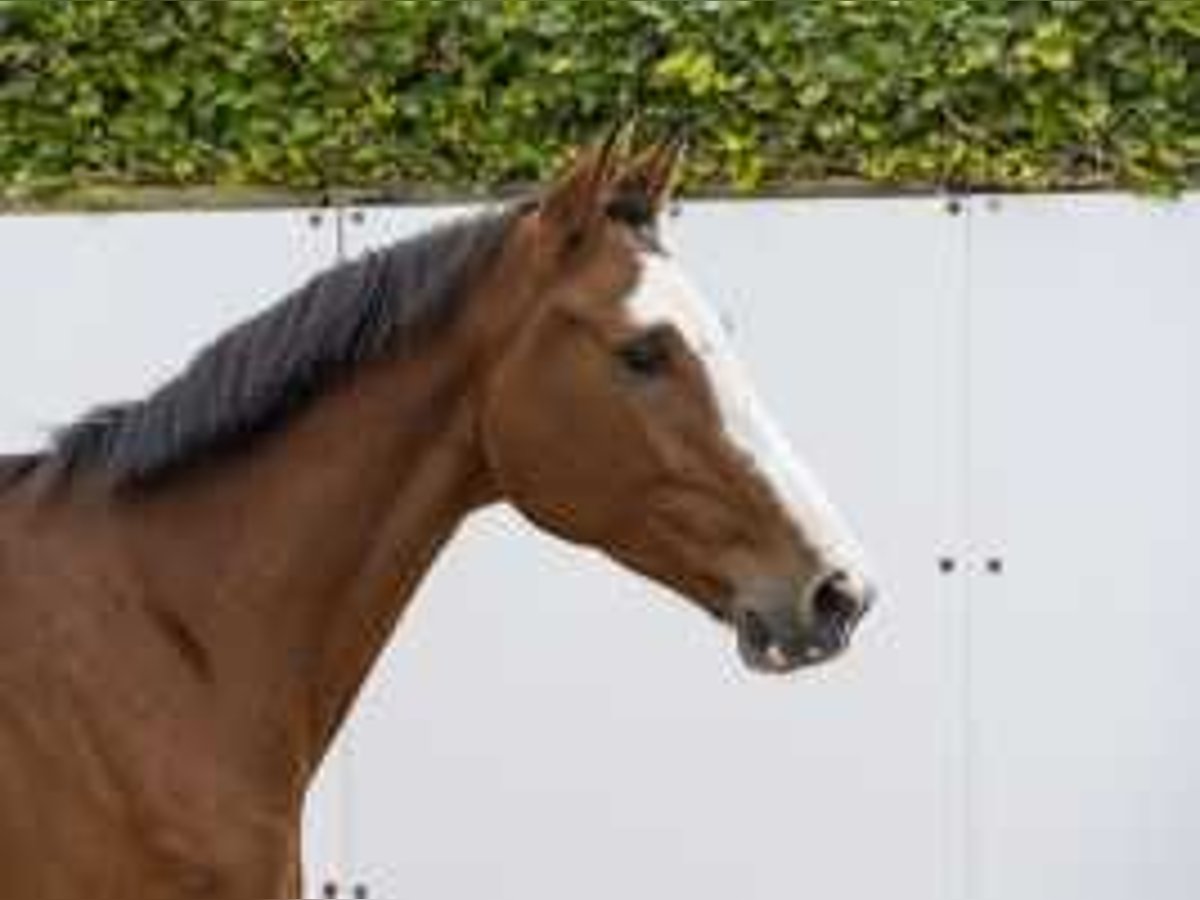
(665, 295)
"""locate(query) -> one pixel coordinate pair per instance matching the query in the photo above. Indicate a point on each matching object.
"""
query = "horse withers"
(193, 586)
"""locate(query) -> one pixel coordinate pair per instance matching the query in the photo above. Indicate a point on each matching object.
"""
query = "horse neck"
(281, 573)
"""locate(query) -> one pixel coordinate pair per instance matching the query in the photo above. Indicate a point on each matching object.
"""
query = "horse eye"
(647, 355)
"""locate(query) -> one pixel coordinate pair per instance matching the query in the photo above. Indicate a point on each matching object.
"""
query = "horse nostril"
(836, 601)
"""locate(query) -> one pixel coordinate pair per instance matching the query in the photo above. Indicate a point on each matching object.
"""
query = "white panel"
(1085, 441)
(103, 307)
(547, 726)
(100, 308)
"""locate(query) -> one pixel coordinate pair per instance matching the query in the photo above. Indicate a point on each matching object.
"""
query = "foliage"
(470, 95)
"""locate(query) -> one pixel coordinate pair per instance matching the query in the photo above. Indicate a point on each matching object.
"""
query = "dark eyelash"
(648, 354)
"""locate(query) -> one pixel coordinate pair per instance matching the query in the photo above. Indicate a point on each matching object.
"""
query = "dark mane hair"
(12, 468)
(256, 376)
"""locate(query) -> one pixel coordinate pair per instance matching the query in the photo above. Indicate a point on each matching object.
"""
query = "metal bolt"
(995, 565)
(946, 565)
(329, 891)
(315, 219)
(954, 206)
(357, 216)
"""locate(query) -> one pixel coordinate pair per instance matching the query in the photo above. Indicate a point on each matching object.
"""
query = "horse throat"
(438, 476)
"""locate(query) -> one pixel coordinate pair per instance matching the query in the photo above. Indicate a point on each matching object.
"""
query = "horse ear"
(647, 182)
(575, 202)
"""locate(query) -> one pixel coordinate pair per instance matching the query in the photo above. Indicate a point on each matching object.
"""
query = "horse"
(194, 585)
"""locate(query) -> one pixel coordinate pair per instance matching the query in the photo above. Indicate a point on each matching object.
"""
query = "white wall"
(1015, 382)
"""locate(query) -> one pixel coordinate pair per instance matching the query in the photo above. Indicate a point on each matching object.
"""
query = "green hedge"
(470, 95)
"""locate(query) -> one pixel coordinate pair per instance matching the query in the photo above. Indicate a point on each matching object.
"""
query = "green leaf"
(471, 94)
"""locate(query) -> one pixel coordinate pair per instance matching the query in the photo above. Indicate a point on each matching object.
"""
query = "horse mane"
(257, 376)
(13, 468)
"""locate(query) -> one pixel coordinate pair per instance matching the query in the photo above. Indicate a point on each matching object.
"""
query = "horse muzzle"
(778, 634)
